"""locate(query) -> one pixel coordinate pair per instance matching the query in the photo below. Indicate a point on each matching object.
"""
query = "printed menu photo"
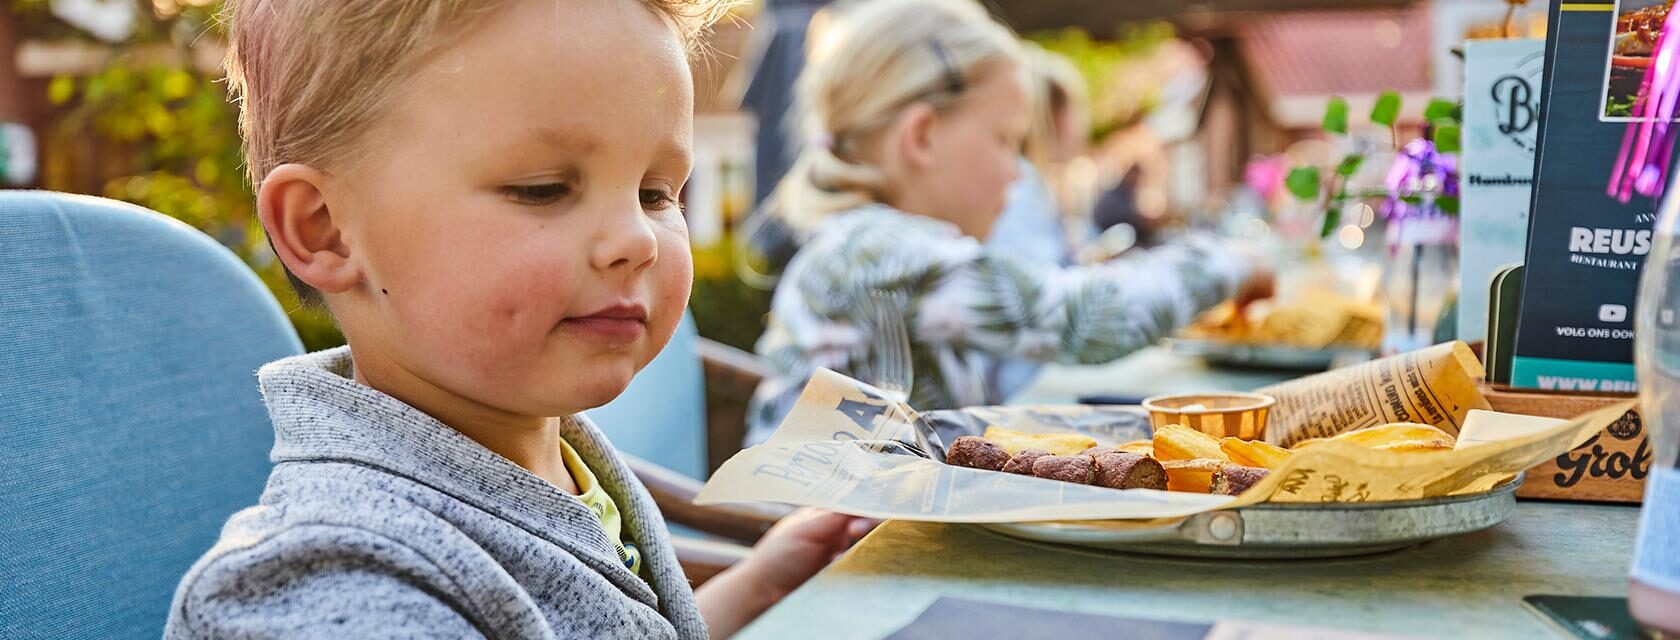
(1585, 246)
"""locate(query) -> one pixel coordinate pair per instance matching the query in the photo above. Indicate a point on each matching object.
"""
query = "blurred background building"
(1198, 105)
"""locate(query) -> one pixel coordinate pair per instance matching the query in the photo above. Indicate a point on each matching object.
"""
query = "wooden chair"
(736, 527)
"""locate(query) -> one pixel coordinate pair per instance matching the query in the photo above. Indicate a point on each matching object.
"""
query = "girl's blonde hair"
(1058, 92)
(877, 58)
(311, 76)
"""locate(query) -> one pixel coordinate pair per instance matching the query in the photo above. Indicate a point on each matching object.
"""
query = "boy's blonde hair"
(876, 59)
(311, 76)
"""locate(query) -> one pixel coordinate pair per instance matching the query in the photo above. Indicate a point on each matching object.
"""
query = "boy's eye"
(657, 199)
(536, 194)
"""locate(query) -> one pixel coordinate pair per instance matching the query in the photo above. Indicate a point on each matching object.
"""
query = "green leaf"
(1350, 165)
(61, 89)
(1448, 204)
(1332, 220)
(1303, 182)
(177, 84)
(1336, 115)
(1387, 109)
(1447, 136)
(1440, 109)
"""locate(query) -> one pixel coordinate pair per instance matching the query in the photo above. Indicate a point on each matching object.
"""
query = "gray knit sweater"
(379, 521)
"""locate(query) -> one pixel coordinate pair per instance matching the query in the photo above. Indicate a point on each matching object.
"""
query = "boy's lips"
(621, 322)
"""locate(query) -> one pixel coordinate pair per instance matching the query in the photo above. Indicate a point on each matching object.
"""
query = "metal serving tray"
(1266, 356)
(1284, 529)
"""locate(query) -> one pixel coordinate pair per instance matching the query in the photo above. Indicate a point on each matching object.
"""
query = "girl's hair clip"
(953, 79)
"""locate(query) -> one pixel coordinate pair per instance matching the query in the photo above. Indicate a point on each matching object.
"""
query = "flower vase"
(1420, 280)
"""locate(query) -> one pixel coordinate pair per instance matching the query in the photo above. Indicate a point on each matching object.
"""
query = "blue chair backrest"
(661, 418)
(131, 426)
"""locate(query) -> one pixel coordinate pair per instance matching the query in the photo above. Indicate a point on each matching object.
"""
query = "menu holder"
(1609, 468)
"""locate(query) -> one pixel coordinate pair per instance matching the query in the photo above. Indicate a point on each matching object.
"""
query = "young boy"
(483, 193)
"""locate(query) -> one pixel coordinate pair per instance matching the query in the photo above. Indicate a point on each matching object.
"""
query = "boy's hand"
(800, 545)
(789, 554)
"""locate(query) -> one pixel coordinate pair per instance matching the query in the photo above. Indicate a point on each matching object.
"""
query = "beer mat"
(975, 620)
(1588, 618)
(1502, 324)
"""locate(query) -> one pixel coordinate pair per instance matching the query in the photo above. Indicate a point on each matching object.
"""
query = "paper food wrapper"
(1434, 386)
(846, 447)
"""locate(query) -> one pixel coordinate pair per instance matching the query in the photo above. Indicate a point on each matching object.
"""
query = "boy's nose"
(625, 240)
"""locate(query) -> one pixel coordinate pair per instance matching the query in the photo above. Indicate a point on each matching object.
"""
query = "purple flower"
(1420, 174)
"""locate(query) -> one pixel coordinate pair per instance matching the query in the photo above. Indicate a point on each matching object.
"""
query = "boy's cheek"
(498, 310)
(677, 289)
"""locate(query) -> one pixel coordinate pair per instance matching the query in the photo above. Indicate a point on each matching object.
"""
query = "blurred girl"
(916, 118)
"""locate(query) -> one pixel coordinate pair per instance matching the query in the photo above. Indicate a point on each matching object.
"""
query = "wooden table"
(1465, 587)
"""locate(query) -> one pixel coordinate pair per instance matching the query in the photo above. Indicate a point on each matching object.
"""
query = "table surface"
(1467, 586)
(1470, 586)
(1150, 371)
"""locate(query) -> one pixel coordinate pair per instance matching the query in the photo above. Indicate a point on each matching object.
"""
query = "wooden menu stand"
(1609, 468)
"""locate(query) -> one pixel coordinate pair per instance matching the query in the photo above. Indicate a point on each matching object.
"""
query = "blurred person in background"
(794, 36)
(1034, 225)
(917, 116)
(781, 45)
(1138, 199)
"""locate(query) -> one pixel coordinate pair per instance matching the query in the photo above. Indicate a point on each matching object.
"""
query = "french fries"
(1388, 433)
(1416, 445)
(1061, 444)
(1195, 476)
(1140, 447)
(1407, 437)
(1254, 453)
(1176, 442)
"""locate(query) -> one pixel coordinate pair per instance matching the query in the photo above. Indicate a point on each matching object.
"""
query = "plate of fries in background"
(1314, 331)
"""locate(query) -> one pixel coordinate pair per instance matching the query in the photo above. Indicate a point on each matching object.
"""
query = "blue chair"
(661, 417)
(131, 425)
(691, 401)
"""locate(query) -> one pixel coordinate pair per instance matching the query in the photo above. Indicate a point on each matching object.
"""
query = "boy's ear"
(915, 134)
(308, 238)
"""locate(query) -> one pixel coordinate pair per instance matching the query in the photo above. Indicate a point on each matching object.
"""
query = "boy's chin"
(596, 389)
